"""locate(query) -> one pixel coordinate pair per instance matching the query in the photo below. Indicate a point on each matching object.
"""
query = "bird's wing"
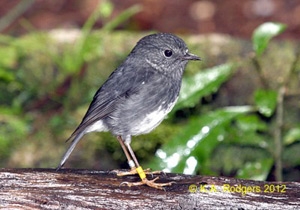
(119, 85)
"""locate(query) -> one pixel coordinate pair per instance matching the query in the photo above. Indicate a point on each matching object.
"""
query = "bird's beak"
(190, 56)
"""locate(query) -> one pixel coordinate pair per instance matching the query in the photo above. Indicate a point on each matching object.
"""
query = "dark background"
(237, 18)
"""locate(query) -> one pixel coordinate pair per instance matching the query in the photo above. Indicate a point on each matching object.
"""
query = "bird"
(136, 97)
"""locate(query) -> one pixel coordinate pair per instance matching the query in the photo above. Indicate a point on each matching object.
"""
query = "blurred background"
(190, 16)
(238, 114)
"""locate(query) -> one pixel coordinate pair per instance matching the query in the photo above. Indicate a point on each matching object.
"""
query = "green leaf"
(293, 135)
(191, 149)
(251, 123)
(247, 131)
(266, 101)
(258, 170)
(263, 34)
(202, 84)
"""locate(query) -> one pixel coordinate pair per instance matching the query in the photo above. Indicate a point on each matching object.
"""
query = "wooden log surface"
(88, 189)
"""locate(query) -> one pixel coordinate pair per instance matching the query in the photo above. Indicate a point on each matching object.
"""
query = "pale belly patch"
(152, 120)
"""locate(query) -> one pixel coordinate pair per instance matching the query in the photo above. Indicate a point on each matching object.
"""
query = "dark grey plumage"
(140, 92)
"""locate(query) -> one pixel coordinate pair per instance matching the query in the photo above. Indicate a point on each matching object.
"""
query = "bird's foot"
(133, 171)
(150, 183)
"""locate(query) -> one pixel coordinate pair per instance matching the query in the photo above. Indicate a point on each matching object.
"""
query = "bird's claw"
(150, 183)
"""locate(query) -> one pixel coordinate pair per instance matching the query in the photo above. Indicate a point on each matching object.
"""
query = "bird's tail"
(69, 151)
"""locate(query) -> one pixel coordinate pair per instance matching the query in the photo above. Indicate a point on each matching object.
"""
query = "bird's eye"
(168, 53)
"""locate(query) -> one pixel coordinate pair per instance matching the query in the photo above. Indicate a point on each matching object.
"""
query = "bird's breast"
(141, 110)
(152, 119)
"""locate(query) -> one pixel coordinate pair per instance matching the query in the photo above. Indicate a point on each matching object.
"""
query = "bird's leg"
(140, 171)
(129, 159)
(131, 163)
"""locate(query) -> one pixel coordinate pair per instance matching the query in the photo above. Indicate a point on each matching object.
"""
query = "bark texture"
(87, 189)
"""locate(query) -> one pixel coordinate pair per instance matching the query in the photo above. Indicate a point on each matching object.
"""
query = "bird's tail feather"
(69, 151)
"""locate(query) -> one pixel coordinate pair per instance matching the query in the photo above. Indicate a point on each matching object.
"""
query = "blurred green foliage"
(46, 87)
(37, 72)
(203, 83)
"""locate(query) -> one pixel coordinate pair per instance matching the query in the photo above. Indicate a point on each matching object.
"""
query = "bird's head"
(165, 52)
